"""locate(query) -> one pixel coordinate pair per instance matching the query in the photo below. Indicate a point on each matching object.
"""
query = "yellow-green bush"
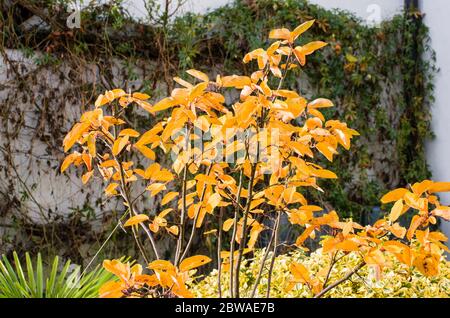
(395, 281)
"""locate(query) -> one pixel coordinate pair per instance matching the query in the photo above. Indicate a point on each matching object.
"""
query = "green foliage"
(36, 281)
(394, 281)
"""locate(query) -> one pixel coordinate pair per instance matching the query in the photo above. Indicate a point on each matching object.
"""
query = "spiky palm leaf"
(38, 282)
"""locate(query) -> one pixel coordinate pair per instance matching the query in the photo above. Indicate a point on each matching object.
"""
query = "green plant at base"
(36, 282)
(395, 281)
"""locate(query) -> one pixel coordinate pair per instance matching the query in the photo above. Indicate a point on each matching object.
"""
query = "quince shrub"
(244, 165)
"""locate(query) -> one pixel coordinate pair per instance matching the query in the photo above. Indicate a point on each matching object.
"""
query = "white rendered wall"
(366, 9)
(438, 150)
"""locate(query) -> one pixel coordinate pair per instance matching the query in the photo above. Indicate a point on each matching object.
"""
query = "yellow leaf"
(146, 151)
(129, 132)
(119, 144)
(396, 210)
(325, 174)
(206, 179)
(197, 90)
(164, 104)
(163, 213)
(283, 34)
(197, 74)
(300, 272)
(427, 264)
(210, 232)
(85, 178)
(301, 148)
(227, 224)
(301, 29)
(156, 188)
(313, 46)
(68, 161)
(304, 236)
(443, 212)
(136, 220)
(439, 187)
(111, 189)
(194, 262)
(141, 96)
(347, 246)
(163, 175)
(394, 195)
(162, 265)
(397, 230)
(91, 145)
(351, 58)
(213, 201)
(321, 103)
(415, 223)
(326, 150)
(348, 227)
(111, 289)
(169, 197)
(236, 81)
(173, 229)
(72, 137)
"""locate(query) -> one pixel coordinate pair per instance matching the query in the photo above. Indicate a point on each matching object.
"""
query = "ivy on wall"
(380, 78)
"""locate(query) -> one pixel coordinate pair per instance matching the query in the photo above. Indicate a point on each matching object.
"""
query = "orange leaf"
(111, 289)
(111, 189)
(415, 223)
(321, 103)
(227, 225)
(146, 151)
(68, 161)
(197, 74)
(85, 178)
(173, 229)
(283, 34)
(169, 197)
(119, 144)
(439, 187)
(136, 220)
(141, 96)
(396, 210)
(347, 246)
(156, 188)
(162, 265)
(394, 195)
(326, 150)
(164, 104)
(301, 29)
(443, 212)
(313, 46)
(236, 81)
(129, 132)
(194, 262)
(300, 272)
(304, 236)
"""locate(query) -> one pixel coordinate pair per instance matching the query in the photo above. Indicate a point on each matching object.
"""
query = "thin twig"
(274, 255)
(263, 262)
(337, 283)
(219, 248)
(194, 225)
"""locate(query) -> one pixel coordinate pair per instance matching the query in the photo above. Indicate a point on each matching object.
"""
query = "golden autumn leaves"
(166, 278)
(271, 134)
(415, 248)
